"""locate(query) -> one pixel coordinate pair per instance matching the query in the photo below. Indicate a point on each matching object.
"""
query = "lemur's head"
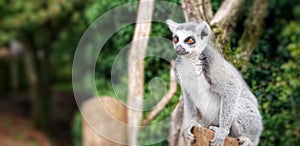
(189, 38)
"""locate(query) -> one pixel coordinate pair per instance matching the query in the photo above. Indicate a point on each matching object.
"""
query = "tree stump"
(204, 135)
(104, 122)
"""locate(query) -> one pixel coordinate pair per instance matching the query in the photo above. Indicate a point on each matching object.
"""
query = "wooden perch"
(204, 135)
(166, 99)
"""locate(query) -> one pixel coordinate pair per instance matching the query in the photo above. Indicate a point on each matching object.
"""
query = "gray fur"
(212, 86)
(190, 26)
(205, 66)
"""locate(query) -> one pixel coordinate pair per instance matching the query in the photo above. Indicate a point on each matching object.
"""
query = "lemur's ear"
(204, 30)
(172, 25)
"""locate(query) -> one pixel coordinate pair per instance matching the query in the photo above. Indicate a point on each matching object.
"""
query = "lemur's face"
(185, 43)
(189, 39)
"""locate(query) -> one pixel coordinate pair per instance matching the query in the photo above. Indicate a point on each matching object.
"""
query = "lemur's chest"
(191, 75)
(197, 87)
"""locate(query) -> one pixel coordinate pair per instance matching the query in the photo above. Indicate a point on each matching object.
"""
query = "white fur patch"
(194, 83)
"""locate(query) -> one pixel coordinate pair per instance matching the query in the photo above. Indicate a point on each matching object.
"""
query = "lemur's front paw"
(189, 135)
(187, 131)
(220, 135)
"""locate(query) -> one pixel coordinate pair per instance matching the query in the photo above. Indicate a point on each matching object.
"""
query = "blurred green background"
(36, 78)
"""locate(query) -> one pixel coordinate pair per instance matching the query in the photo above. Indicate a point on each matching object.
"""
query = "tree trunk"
(252, 33)
(136, 69)
(33, 83)
(224, 23)
(197, 10)
(39, 89)
(44, 100)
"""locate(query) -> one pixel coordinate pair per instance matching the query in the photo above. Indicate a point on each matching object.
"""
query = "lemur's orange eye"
(190, 40)
(175, 39)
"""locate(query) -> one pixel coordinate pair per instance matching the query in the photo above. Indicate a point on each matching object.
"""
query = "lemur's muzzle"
(180, 50)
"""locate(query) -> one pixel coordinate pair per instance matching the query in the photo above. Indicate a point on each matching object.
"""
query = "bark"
(197, 10)
(136, 69)
(252, 33)
(224, 23)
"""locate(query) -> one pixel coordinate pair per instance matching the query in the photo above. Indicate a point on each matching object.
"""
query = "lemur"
(214, 93)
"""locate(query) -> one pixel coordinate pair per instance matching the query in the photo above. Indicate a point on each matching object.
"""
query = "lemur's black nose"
(180, 50)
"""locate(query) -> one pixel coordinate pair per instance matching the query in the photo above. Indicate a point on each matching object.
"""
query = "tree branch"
(197, 10)
(136, 69)
(207, 10)
(252, 32)
(166, 99)
(226, 12)
(224, 23)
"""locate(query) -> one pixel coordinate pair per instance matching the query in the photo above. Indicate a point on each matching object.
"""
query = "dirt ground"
(16, 128)
(17, 131)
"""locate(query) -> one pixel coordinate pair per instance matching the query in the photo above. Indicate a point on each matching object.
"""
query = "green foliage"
(272, 74)
(215, 5)
(77, 129)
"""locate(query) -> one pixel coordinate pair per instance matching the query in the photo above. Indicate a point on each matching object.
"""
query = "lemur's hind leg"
(247, 127)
